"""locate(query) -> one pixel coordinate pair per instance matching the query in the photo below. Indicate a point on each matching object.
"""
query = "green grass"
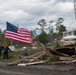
(18, 48)
(12, 57)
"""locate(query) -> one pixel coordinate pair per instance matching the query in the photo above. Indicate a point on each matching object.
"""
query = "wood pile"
(48, 54)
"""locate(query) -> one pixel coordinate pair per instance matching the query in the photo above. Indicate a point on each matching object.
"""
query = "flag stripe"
(18, 37)
(22, 31)
(26, 42)
(17, 34)
(21, 38)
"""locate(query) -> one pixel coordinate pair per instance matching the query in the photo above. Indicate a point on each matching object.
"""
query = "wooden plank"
(50, 54)
(26, 64)
(38, 56)
(65, 58)
(18, 61)
(43, 47)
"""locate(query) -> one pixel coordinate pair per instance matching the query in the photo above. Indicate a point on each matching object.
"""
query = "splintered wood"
(35, 58)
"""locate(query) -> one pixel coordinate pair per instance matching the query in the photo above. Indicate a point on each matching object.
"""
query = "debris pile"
(46, 54)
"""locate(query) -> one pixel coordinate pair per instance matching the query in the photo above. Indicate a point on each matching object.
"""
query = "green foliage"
(2, 34)
(50, 27)
(58, 23)
(62, 29)
(43, 38)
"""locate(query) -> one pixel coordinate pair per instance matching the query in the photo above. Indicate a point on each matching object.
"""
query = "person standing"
(6, 49)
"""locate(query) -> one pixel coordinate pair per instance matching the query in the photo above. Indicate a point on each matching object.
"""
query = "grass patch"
(18, 48)
(12, 57)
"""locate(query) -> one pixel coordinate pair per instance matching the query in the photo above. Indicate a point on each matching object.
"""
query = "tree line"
(2, 36)
(49, 31)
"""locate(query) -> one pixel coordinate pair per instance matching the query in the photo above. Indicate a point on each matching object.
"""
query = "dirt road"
(37, 70)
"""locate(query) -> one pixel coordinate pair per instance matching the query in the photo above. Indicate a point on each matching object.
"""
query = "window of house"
(69, 33)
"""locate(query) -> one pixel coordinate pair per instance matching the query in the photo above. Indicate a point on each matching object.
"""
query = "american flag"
(18, 34)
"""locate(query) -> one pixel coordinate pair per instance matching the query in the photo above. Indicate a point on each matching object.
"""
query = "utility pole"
(75, 8)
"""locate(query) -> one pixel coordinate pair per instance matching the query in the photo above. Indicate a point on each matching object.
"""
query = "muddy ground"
(62, 69)
(37, 69)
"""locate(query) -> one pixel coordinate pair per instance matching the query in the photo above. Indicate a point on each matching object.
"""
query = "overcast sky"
(27, 13)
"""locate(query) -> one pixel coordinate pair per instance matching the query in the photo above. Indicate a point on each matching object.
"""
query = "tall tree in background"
(50, 27)
(59, 26)
(58, 23)
(42, 25)
(1, 36)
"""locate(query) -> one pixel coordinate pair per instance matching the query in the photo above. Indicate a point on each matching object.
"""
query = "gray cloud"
(56, 1)
(27, 13)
